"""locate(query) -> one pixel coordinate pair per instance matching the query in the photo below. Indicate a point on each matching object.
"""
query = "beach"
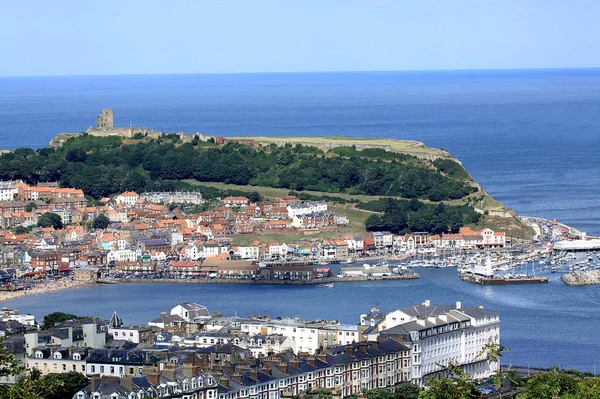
(43, 288)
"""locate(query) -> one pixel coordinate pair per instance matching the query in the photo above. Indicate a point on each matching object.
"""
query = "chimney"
(71, 349)
(237, 376)
(95, 382)
(322, 357)
(427, 302)
(375, 344)
(458, 305)
(362, 347)
(265, 370)
(190, 371)
(312, 361)
(295, 363)
(127, 383)
(169, 373)
(223, 380)
(154, 379)
(349, 349)
(254, 374)
(283, 366)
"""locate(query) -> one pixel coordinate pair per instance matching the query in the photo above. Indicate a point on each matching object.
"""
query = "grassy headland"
(342, 170)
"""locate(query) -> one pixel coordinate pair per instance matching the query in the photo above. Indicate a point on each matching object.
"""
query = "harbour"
(564, 317)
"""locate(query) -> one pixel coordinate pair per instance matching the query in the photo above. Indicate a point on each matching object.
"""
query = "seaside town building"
(438, 335)
(262, 356)
(174, 197)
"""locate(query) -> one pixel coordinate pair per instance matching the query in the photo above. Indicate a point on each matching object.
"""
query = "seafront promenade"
(327, 280)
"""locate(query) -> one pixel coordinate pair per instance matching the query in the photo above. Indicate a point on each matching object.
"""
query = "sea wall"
(271, 282)
(581, 278)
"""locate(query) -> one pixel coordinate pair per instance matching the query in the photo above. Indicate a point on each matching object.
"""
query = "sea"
(531, 138)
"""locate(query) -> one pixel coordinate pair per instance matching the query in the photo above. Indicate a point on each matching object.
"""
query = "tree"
(50, 219)
(28, 385)
(373, 222)
(254, 197)
(407, 390)
(493, 352)
(458, 385)
(21, 230)
(76, 155)
(57, 317)
(68, 384)
(100, 222)
(31, 206)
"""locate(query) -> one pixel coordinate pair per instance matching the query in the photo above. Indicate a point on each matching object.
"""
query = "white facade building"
(306, 208)
(440, 334)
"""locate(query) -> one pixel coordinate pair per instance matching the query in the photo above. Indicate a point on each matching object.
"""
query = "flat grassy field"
(403, 146)
(282, 192)
(278, 192)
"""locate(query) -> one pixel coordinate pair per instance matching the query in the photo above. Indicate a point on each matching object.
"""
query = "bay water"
(530, 138)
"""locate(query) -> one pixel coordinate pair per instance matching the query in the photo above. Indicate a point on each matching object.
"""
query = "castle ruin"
(105, 120)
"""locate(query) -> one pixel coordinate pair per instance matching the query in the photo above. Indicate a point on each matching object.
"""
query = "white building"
(209, 250)
(175, 197)
(440, 334)
(125, 255)
(248, 252)
(382, 239)
(191, 312)
(7, 191)
(128, 198)
(306, 208)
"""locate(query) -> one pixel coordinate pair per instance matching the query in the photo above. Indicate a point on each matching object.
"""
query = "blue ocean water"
(543, 324)
(531, 138)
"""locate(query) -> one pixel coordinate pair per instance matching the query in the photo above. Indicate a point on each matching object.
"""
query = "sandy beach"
(43, 288)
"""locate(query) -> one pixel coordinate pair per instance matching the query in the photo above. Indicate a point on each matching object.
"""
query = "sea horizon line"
(382, 71)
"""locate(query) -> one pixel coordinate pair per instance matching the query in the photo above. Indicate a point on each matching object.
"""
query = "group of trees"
(102, 166)
(402, 217)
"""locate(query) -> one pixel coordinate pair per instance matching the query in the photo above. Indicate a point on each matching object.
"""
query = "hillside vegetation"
(103, 166)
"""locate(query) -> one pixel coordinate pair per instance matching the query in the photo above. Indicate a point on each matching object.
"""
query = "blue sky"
(74, 37)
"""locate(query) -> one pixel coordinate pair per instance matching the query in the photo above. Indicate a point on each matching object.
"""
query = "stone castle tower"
(105, 120)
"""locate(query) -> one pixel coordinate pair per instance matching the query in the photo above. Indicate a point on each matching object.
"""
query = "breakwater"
(581, 278)
(262, 282)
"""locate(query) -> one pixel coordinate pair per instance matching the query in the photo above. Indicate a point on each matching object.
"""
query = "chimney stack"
(362, 347)
(127, 382)
(349, 349)
(95, 382)
(223, 380)
(154, 379)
